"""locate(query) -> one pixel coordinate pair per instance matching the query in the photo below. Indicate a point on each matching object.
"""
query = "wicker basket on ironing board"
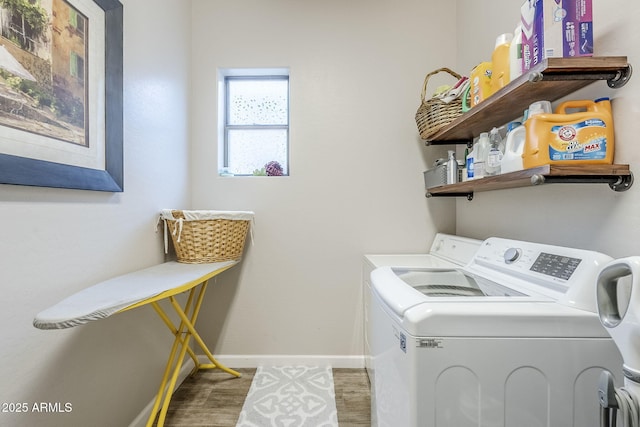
(434, 114)
(201, 237)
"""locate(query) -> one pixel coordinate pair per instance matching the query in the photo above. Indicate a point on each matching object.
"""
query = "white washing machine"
(447, 252)
(512, 339)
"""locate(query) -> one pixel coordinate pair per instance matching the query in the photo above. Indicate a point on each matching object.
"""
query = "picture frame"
(109, 176)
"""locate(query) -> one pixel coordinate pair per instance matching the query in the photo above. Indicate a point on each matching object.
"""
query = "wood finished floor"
(212, 398)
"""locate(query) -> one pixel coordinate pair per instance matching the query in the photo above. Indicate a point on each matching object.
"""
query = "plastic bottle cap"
(539, 107)
(605, 98)
(512, 125)
(504, 39)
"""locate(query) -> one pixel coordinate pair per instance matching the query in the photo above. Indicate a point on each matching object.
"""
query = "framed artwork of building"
(61, 81)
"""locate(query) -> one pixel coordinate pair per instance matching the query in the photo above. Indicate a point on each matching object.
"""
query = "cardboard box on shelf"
(555, 28)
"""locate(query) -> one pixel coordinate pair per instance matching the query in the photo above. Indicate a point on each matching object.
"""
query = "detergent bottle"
(480, 85)
(500, 74)
(470, 163)
(515, 54)
(512, 158)
(583, 137)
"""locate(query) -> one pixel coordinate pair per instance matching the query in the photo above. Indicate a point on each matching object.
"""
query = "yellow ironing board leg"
(192, 331)
(180, 348)
(173, 330)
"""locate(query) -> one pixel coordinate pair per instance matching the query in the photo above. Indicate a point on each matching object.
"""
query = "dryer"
(512, 339)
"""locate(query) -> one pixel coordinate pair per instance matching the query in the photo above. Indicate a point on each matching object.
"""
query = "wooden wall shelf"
(619, 178)
(550, 80)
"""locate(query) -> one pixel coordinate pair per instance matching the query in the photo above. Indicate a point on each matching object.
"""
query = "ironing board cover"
(108, 297)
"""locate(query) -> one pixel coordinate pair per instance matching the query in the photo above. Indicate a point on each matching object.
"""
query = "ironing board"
(137, 289)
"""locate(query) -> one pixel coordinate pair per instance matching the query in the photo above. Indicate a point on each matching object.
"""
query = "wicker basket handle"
(426, 79)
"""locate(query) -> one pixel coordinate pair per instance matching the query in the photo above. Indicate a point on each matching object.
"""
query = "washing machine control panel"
(554, 265)
(559, 266)
(566, 274)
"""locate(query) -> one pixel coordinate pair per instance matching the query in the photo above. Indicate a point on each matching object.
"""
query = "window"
(255, 122)
(76, 21)
(76, 66)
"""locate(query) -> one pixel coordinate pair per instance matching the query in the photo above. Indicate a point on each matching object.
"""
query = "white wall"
(586, 216)
(356, 163)
(55, 242)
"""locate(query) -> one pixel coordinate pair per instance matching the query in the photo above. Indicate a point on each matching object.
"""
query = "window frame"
(231, 74)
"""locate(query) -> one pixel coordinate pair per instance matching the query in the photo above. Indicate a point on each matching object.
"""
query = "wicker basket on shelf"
(201, 237)
(434, 114)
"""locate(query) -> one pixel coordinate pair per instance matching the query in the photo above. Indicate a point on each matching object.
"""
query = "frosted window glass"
(256, 124)
(250, 150)
(258, 102)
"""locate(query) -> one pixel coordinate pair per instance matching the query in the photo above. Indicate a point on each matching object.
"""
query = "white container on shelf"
(494, 158)
(513, 149)
(471, 162)
(479, 164)
(452, 168)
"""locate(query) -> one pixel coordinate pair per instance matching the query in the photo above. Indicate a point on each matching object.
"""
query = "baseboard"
(253, 361)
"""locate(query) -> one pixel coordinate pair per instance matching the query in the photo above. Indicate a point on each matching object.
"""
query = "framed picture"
(61, 94)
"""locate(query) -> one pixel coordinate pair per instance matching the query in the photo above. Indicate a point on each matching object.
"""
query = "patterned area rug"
(290, 396)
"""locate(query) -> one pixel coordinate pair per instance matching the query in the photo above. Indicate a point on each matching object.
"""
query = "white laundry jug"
(513, 149)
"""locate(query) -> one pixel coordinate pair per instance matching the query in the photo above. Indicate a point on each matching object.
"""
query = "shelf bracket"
(468, 195)
(621, 78)
(615, 79)
(468, 142)
(616, 183)
(623, 183)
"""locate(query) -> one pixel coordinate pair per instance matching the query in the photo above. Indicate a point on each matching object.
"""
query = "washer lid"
(402, 288)
(395, 294)
(452, 283)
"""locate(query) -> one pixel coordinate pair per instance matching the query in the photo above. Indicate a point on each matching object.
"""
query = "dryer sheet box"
(555, 28)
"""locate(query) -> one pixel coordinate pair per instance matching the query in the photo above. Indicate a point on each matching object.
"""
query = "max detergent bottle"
(583, 137)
